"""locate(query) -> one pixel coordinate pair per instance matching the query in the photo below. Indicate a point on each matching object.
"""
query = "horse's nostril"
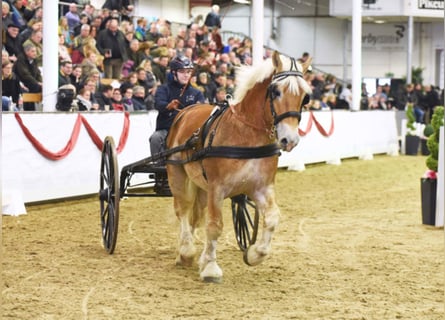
(284, 142)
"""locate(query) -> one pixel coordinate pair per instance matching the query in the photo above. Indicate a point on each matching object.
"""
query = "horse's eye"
(275, 93)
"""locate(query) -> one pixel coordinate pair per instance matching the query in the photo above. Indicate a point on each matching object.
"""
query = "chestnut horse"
(262, 119)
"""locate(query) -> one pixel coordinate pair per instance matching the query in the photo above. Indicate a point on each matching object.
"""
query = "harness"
(196, 142)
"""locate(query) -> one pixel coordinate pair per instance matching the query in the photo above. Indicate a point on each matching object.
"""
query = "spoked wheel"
(245, 223)
(109, 195)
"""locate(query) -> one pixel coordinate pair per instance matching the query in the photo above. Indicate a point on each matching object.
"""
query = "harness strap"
(269, 150)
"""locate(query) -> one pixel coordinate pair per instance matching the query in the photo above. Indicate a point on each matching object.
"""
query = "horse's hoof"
(252, 257)
(212, 279)
(211, 273)
(184, 261)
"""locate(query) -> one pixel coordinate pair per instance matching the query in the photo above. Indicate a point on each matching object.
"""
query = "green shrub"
(411, 119)
(433, 140)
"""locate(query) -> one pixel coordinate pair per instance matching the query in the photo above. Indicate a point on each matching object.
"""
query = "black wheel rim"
(244, 223)
(109, 195)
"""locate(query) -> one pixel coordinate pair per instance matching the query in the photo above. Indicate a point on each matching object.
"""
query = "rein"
(196, 141)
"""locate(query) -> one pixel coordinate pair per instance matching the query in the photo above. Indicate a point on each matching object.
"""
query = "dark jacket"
(102, 100)
(13, 45)
(116, 42)
(139, 104)
(160, 72)
(212, 20)
(11, 88)
(28, 72)
(168, 92)
(64, 79)
(116, 4)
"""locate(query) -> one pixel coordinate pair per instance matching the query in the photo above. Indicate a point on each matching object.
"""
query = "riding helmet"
(180, 62)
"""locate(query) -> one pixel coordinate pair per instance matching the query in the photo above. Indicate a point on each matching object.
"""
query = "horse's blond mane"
(248, 76)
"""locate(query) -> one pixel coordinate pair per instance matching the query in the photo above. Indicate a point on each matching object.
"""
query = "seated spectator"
(103, 97)
(344, 100)
(116, 101)
(127, 94)
(11, 42)
(332, 101)
(6, 15)
(411, 96)
(64, 54)
(138, 99)
(80, 41)
(146, 79)
(380, 95)
(145, 48)
(36, 40)
(152, 34)
(207, 87)
(130, 81)
(220, 96)
(134, 55)
(76, 77)
(29, 73)
(83, 20)
(141, 29)
(374, 103)
(10, 84)
(431, 100)
(89, 64)
(37, 17)
(65, 71)
(65, 31)
(159, 68)
(21, 14)
(84, 100)
(91, 83)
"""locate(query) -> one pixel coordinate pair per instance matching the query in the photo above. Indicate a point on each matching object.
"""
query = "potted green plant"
(429, 180)
(412, 139)
(427, 132)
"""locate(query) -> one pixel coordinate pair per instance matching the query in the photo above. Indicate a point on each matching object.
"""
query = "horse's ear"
(276, 60)
(307, 65)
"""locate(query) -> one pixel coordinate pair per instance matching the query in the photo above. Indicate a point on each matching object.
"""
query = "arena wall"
(34, 177)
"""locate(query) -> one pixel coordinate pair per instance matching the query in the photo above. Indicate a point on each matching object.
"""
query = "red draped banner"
(311, 120)
(74, 136)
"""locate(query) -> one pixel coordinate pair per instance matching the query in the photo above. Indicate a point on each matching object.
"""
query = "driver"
(172, 96)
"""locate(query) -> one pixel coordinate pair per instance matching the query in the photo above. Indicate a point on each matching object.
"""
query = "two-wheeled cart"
(115, 186)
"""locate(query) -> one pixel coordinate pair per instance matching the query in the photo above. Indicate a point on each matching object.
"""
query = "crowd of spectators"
(115, 61)
(111, 63)
(329, 94)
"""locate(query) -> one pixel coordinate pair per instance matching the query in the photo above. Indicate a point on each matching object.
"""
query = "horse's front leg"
(209, 271)
(268, 208)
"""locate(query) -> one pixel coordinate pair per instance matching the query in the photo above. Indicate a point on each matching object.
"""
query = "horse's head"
(286, 93)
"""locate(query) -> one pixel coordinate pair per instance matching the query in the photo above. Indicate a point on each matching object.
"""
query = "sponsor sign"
(431, 4)
(384, 37)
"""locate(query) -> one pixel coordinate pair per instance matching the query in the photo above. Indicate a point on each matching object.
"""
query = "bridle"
(271, 93)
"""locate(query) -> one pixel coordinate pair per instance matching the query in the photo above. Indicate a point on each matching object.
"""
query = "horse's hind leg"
(257, 252)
